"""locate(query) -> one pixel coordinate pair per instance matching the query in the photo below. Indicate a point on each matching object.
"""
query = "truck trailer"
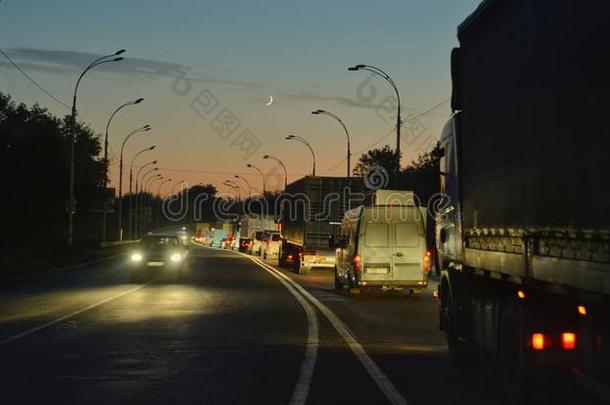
(523, 231)
(311, 211)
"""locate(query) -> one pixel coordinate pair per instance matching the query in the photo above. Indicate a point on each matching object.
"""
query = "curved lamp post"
(234, 186)
(148, 195)
(247, 183)
(71, 199)
(161, 185)
(139, 197)
(145, 128)
(375, 70)
(283, 167)
(349, 151)
(134, 102)
(129, 216)
(304, 142)
(261, 173)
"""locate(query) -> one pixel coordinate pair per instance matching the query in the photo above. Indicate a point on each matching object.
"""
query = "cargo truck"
(311, 211)
(523, 233)
(251, 225)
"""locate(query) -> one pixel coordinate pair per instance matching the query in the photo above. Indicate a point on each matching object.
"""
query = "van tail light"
(427, 260)
(568, 340)
(357, 264)
(565, 341)
(540, 341)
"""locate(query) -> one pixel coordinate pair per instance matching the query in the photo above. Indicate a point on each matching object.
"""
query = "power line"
(32, 80)
(428, 111)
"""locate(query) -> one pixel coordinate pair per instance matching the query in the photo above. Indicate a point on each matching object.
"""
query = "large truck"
(523, 233)
(251, 227)
(311, 211)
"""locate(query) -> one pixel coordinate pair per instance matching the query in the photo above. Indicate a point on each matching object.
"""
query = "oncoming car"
(159, 252)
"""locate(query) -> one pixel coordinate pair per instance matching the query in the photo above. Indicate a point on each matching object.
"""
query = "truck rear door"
(408, 249)
(377, 251)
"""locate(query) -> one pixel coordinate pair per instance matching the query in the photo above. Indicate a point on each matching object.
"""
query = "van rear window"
(407, 234)
(376, 235)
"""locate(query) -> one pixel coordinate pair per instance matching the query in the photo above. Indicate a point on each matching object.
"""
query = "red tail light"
(539, 341)
(568, 341)
(427, 260)
(357, 263)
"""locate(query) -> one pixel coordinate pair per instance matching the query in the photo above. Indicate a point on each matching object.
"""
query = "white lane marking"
(301, 390)
(71, 315)
(380, 378)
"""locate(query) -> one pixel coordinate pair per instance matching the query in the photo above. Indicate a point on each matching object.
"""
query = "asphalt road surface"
(234, 331)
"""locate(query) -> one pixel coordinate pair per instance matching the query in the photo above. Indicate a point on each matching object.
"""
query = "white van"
(383, 246)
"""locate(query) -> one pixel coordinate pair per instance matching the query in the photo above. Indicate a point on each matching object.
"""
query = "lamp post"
(261, 173)
(381, 73)
(145, 128)
(129, 214)
(247, 183)
(161, 185)
(148, 197)
(283, 167)
(181, 182)
(234, 186)
(140, 183)
(71, 197)
(303, 141)
(349, 151)
(160, 200)
(134, 102)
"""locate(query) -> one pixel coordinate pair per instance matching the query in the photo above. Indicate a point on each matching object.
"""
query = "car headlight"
(136, 257)
(176, 257)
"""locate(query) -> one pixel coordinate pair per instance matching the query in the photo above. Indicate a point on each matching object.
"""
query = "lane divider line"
(28, 332)
(380, 378)
(301, 390)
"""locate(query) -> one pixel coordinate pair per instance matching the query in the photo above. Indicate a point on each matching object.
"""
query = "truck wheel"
(338, 283)
(460, 351)
(511, 352)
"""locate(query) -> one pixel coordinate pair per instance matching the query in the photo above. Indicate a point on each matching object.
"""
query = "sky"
(208, 69)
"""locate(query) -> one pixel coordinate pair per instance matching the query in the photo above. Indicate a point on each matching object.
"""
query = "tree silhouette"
(34, 172)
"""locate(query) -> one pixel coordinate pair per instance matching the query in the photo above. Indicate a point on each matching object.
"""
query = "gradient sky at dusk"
(241, 52)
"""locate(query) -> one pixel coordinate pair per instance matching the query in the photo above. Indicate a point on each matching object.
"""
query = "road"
(234, 331)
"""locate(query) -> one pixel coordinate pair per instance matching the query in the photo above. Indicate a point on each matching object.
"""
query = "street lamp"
(303, 141)
(145, 128)
(160, 200)
(283, 167)
(181, 182)
(261, 173)
(71, 198)
(247, 183)
(349, 151)
(147, 194)
(381, 73)
(134, 102)
(129, 216)
(161, 185)
(234, 186)
(139, 197)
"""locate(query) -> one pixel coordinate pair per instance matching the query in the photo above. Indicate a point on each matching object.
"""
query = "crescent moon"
(270, 101)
